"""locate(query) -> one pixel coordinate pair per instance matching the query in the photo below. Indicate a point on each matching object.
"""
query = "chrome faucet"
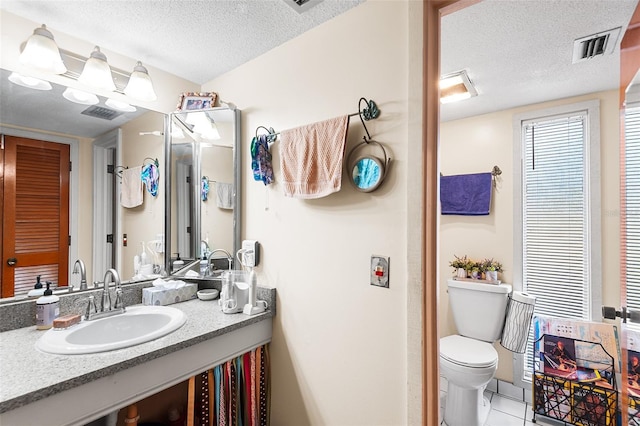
(206, 247)
(229, 258)
(83, 273)
(107, 309)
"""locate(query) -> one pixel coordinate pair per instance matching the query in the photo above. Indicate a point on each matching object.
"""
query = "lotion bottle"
(47, 309)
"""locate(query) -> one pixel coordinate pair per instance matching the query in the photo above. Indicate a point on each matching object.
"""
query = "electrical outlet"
(380, 271)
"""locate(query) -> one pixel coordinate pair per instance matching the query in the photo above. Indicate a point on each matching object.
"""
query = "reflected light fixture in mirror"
(30, 82)
(96, 72)
(203, 125)
(80, 97)
(456, 87)
(41, 52)
(176, 132)
(140, 86)
(119, 105)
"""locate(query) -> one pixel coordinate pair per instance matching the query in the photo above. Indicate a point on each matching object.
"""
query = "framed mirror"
(205, 198)
(367, 172)
(102, 141)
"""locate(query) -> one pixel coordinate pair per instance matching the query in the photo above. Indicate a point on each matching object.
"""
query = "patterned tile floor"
(505, 411)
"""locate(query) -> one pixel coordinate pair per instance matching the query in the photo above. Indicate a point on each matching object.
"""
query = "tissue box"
(167, 296)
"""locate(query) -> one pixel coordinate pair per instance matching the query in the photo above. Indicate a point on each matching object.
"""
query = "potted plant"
(476, 270)
(492, 267)
(460, 266)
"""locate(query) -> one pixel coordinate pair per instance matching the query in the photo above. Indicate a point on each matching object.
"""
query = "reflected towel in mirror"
(224, 195)
(131, 190)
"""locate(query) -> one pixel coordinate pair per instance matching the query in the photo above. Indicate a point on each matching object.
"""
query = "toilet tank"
(478, 309)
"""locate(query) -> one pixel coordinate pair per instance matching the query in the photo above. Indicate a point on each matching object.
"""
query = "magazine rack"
(589, 401)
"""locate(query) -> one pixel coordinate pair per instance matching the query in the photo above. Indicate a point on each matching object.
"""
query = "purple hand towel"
(466, 195)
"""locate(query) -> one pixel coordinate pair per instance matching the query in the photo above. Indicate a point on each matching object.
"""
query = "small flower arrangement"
(464, 267)
(492, 265)
(461, 263)
(491, 268)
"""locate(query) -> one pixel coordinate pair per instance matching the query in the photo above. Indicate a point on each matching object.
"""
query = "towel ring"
(271, 134)
(367, 172)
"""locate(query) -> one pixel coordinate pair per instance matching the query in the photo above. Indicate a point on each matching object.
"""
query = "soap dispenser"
(38, 289)
(177, 264)
(47, 309)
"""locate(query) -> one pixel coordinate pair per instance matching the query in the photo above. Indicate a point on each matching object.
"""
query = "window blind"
(555, 218)
(632, 205)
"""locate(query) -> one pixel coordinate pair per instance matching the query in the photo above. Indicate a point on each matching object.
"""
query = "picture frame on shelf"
(194, 101)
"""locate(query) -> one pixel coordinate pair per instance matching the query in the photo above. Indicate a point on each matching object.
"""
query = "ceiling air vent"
(101, 112)
(302, 6)
(595, 45)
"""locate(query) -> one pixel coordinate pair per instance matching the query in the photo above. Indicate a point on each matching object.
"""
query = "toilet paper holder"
(609, 312)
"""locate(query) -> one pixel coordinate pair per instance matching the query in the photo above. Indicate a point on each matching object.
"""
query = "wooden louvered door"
(35, 234)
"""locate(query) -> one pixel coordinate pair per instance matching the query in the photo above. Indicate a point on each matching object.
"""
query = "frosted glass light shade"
(80, 97)
(211, 133)
(140, 86)
(41, 52)
(119, 105)
(177, 133)
(30, 82)
(96, 72)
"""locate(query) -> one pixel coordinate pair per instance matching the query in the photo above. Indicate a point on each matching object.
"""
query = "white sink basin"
(139, 324)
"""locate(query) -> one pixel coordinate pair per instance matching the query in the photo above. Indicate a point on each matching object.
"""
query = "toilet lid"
(468, 352)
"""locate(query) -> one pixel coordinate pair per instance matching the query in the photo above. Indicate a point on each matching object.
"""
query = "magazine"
(559, 357)
(597, 343)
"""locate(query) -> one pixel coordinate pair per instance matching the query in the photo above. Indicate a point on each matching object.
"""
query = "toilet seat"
(467, 352)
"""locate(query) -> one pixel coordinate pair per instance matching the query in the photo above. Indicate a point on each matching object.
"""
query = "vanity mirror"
(96, 136)
(205, 196)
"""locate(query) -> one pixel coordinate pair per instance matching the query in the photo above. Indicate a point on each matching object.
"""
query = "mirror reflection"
(366, 174)
(90, 223)
(204, 204)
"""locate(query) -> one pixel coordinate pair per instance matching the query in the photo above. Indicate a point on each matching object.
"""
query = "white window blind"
(555, 228)
(632, 205)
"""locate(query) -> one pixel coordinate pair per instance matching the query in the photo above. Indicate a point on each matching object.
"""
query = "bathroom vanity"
(42, 388)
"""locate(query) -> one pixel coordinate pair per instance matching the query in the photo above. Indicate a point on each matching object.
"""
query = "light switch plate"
(379, 271)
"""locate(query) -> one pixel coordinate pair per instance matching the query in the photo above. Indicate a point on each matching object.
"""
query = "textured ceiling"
(194, 39)
(519, 52)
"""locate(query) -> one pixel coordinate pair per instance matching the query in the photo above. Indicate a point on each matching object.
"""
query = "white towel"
(224, 195)
(131, 190)
(311, 158)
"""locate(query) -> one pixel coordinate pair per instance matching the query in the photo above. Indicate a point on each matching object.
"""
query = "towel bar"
(369, 112)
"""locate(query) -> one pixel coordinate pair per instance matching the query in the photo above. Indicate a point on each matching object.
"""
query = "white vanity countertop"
(27, 374)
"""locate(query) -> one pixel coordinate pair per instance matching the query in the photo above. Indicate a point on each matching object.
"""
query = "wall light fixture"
(42, 53)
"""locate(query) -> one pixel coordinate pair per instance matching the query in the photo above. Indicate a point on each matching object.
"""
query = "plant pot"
(492, 275)
(461, 273)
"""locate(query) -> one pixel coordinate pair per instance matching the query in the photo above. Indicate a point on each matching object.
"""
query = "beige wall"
(339, 350)
(145, 222)
(487, 140)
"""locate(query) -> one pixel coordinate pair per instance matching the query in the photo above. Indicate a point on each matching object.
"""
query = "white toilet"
(468, 360)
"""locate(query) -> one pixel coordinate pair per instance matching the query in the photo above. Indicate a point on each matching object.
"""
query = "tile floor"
(505, 411)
